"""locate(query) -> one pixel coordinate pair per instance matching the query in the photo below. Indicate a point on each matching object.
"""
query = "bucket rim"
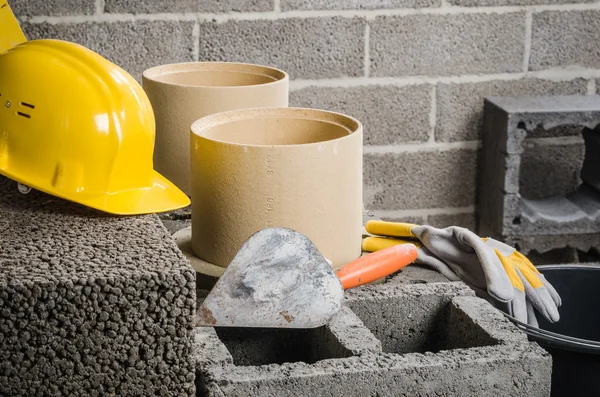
(554, 339)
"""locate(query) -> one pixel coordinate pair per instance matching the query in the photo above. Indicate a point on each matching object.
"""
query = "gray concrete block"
(549, 170)
(92, 304)
(567, 38)
(498, 3)
(447, 44)
(176, 220)
(460, 106)
(417, 274)
(288, 5)
(416, 219)
(466, 220)
(305, 48)
(58, 7)
(389, 114)
(156, 6)
(528, 188)
(134, 46)
(546, 243)
(395, 181)
(436, 338)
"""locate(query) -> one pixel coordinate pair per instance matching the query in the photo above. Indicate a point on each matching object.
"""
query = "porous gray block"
(477, 342)
(503, 207)
(550, 170)
(304, 47)
(460, 106)
(91, 304)
(496, 3)
(395, 181)
(565, 38)
(447, 44)
(134, 46)
(176, 220)
(155, 6)
(417, 274)
(543, 244)
(288, 5)
(444, 220)
(56, 7)
(390, 114)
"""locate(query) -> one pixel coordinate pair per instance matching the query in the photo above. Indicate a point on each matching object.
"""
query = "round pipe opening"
(275, 127)
(215, 74)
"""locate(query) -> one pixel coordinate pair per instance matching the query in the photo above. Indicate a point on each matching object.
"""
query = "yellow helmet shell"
(77, 126)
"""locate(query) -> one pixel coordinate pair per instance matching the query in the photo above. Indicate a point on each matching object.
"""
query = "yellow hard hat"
(77, 126)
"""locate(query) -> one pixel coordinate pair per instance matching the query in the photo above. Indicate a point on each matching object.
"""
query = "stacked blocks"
(571, 220)
(91, 304)
(394, 339)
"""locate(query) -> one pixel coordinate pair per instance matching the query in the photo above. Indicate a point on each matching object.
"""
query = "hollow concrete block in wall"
(91, 304)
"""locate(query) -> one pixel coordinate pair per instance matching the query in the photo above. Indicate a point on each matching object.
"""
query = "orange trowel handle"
(376, 265)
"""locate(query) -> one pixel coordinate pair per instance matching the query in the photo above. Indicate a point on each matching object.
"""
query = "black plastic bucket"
(574, 341)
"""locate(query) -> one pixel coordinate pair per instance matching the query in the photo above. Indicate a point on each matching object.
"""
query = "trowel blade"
(278, 279)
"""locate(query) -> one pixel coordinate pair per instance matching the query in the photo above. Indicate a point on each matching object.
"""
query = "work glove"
(494, 270)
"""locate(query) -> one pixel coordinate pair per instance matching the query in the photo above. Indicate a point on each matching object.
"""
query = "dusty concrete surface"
(571, 219)
(423, 340)
(91, 304)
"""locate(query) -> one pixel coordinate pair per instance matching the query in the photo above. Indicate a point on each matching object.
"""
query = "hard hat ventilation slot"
(27, 116)
(4, 5)
(28, 105)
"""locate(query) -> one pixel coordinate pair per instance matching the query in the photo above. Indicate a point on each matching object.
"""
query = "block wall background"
(413, 71)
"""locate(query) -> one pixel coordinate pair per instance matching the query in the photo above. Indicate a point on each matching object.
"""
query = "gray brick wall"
(413, 71)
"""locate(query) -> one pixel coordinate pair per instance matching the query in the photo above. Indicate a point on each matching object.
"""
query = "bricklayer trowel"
(279, 279)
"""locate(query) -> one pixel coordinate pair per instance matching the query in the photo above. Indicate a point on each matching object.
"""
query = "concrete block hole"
(254, 347)
(420, 324)
(560, 181)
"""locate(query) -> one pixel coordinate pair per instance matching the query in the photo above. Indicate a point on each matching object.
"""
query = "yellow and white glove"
(494, 270)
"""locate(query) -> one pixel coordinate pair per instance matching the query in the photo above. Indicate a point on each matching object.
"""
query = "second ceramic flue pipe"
(183, 93)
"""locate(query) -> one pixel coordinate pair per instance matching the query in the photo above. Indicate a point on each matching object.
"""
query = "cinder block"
(305, 48)
(447, 44)
(155, 6)
(460, 106)
(550, 170)
(565, 38)
(287, 5)
(390, 114)
(395, 181)
(135, 46)
(517, 204)
(436, 339)
(417, 274)
(91, 304)
(496, 3)
(466, 220)
(57, 7)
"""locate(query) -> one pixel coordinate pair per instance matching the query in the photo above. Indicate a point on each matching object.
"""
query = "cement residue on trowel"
(277, 279)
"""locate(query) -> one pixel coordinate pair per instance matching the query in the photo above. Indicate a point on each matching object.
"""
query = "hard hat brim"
(162, 196)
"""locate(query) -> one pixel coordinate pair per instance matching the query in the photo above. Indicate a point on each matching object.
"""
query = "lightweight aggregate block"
(395, 181)
(565, 38)
(390, 114)
(289, 5)
(310, 48)
(513, 200)
(447, 44)
(56, 7)
(439, 339)
(91, 304)
(160, 6)
(134, 46)
(460, 106)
